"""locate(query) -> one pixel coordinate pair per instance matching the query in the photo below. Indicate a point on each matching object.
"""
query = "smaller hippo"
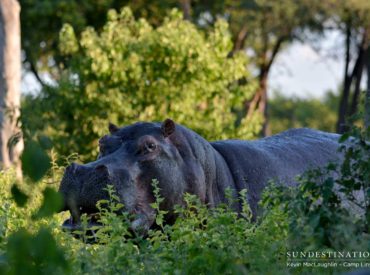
(184, 162)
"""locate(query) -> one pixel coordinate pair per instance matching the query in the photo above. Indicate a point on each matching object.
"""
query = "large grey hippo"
(182, 161)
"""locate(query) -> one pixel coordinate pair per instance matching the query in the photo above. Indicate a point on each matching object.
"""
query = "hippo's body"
(281, 158)
(182, 161)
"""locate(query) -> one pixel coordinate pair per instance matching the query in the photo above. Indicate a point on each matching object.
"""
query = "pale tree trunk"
(11, 141)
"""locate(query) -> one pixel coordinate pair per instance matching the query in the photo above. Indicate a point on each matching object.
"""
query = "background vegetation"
(132, 72)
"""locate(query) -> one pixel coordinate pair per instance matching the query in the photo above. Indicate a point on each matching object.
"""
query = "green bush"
(133, 72)
(201, 241)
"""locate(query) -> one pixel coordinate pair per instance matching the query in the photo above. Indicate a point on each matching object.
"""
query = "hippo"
(182, 161)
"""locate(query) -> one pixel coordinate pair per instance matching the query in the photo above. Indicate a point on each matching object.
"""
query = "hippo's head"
(130, 158)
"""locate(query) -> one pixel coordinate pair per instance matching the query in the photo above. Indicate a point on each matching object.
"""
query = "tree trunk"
(11, 141)
(358, 75)
(344, 111)
(263, 104)
(259, 103)
(186, 9)
(343, 104)
(259, 100)
(367, 96)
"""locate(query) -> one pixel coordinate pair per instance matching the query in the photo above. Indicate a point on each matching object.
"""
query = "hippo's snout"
(81, 188)
(127, 164)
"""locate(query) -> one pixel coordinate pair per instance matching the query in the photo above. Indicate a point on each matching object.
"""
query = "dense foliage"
(133, 72)
(200, 241)
(41, 22)
(260, 28)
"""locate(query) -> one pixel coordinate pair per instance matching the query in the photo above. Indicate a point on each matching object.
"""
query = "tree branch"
(239, 41)
(275, 51)
(33, 69)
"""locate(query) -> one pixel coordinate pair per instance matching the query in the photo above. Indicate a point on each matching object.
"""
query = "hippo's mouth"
(83, 230)
(139, 224)
(72, 224)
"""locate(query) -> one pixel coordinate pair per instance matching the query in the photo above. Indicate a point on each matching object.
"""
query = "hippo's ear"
(168, 127)
(112, 128)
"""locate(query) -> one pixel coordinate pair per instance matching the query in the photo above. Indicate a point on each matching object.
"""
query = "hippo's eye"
(147, 145)
(151, 146)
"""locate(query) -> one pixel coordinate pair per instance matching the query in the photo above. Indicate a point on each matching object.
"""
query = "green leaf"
(19, 197)
(35, 161)
(32, 254)
(45, 142)
(344, 137)
(159, 220)
(51, 204)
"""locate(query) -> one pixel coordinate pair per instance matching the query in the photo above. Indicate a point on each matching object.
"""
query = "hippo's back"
(280, 157)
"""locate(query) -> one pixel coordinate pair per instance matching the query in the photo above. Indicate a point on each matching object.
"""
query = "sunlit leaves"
(67, 34)
(129, 71)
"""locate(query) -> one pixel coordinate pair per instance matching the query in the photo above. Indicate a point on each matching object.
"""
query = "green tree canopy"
(41, 21)
(132, 72)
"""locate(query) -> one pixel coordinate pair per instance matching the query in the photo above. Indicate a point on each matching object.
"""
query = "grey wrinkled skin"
(182, 161)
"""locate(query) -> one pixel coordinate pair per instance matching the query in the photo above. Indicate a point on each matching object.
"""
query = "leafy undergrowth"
(201, 241)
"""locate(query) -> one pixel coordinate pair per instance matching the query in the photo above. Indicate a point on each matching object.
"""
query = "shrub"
(133, 72)
(202, 240)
